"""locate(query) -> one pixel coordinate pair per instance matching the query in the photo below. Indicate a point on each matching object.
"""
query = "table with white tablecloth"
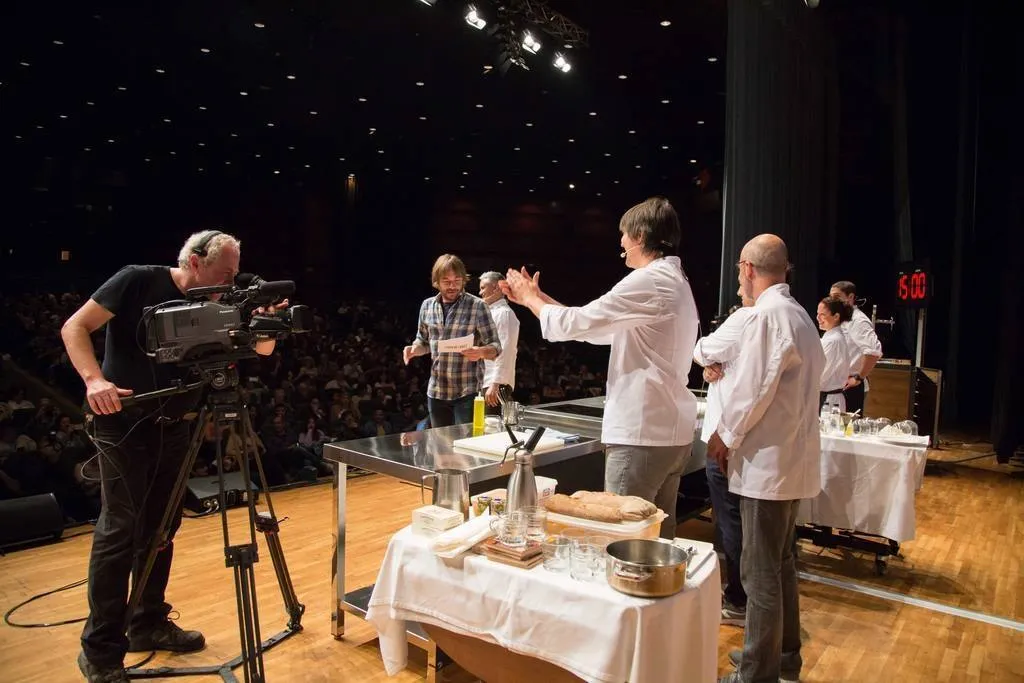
(586, 628)
(868, 485)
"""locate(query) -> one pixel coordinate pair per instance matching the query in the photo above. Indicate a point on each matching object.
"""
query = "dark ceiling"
(97, 96)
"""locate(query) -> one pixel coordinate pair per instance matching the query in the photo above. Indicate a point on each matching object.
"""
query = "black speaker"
(32, 518)
(201, 495)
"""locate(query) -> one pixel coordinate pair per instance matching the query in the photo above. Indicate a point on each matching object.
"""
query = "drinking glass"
(581, 564)
(536, 523)
(510, 529)
(557, 553)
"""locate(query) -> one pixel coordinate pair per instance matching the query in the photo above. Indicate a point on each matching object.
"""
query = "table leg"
(338, 561)
(431, 662)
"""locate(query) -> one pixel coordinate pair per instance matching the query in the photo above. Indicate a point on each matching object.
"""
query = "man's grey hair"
(491, 276)
(768, 254)
(213, 248)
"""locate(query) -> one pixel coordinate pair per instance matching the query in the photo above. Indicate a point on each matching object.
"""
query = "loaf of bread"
(566, 505)
(631, 508)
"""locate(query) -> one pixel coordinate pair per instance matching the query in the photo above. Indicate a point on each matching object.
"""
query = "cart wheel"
(881, 566)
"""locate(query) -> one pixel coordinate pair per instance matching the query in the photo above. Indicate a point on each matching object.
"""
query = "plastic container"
(479, 409)
(648, 528)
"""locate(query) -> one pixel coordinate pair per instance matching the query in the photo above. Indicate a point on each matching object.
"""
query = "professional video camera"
(196, 329)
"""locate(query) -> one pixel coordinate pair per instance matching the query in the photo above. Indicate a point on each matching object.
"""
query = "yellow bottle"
(478, 414)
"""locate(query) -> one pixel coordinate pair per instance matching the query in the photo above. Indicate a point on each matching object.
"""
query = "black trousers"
(855, 399)
(138, 467)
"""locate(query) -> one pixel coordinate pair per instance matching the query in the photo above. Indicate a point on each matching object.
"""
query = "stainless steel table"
(408, 457)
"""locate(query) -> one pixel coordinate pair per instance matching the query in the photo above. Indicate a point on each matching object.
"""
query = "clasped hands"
(519, 286)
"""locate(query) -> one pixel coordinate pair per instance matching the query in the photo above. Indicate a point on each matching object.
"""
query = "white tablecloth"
(589, 629)
(868, 485)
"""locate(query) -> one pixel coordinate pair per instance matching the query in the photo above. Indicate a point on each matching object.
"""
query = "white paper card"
(455, 345)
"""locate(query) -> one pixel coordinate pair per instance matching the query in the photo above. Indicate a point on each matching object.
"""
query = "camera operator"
(142, 449)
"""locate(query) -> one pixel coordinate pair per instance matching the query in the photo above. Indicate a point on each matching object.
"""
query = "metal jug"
(511, 413)
(450, 490)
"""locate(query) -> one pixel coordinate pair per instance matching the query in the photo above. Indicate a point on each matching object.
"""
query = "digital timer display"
(913, 286)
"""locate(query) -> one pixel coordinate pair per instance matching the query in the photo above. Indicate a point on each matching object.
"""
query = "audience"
(343, 380)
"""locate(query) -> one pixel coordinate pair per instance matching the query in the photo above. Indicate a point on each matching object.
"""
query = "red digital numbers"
(912, 288)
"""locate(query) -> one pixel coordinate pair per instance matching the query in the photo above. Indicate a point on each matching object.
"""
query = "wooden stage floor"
(969, 554)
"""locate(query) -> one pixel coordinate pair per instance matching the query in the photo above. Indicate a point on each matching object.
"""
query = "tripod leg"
(177, 492)
(266, 522)
(241, 559)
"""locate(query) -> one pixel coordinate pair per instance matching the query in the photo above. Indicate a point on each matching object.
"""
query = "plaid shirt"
(451, 375)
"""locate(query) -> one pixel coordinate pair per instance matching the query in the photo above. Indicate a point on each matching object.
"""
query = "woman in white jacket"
(839, 351)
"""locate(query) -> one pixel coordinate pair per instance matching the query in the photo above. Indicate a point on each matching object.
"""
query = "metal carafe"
(451, 490)
(522, 486)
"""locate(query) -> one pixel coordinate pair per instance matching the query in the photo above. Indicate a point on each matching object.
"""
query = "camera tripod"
(222, 402)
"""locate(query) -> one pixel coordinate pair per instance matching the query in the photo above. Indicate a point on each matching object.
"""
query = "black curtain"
(780, 140)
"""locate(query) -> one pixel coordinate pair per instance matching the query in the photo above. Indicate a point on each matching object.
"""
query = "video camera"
(195, 330)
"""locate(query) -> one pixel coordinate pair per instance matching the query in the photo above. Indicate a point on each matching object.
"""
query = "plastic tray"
(648, 528)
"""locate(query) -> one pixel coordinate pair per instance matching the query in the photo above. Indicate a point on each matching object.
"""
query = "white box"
(431, 520)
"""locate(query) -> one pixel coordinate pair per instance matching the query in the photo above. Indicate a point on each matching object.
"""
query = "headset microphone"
(623, 254)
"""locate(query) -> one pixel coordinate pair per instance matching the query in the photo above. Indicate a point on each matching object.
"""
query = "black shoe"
(736, 656)
(166, 636)
(101, 674)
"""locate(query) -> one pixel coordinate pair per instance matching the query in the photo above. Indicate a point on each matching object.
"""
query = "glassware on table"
(536, 523)
(557, 552)
(510, 529)
(582, 560)
(908, 427)
(860, 427)
(575, 536)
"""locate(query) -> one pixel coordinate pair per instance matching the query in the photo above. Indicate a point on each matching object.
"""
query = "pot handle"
(423, 482)
(635, 575)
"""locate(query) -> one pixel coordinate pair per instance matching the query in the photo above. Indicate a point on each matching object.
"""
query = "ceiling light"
(469, 156)
(462, 187)
(572, 140)
(623, 77)
(530, 44)
(270, 125)
(541, 178)
(474, 19)
(110, 140)
(562, 64)
(419, 83)
(598, 194)
(257, 155)
(260, 24)
(145, 159)
(501, 182)
(386, 169)
(341, 158)
(638, 166)
(276, 172)
(465, 173)
(664, 146)
(58, 42)
(63, 116)
(616, 182)
(91, 104)
(227, 163)
(593, 113)
(632, 132)
(87, 149)
(666, 22)
(121, 88)
(200, 169)
(423, 118)
(479, 106)
(607, 154)
(571, 186)
(587, 172)
(312, 112)
(291, 148)
(205, 50)
(24, 63)
(174, 154)
(202, 107)
(307, 166)
(712, 59)
(529, 125)
(351, 175)
(201, 144)
(515, 149)
(234, 135)
(380, 151)
(362, 99)
(531, 189)
(693, 161)
(160, 71)
(429, 3)
(554, 161)
(426, 177)
(243, 93)
(665, 101)
(290, 77)
(701, 122)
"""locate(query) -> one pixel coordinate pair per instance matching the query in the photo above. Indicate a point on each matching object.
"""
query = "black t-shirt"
(127, 294)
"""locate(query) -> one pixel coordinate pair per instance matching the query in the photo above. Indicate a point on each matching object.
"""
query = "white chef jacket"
(502, 370)
(723, 343)
(862, 335)
(839, 354)
(770, 422)
(650, 320)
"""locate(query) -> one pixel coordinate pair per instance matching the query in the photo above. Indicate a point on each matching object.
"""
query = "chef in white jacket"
(724, 344)
(500, 372)
(862, 334)
(650, 320)
(839, 351)
(768, 442)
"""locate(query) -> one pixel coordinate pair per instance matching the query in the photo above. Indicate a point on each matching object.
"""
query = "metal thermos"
(522, 486)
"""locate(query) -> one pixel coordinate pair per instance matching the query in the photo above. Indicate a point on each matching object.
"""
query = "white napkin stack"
(454, 542)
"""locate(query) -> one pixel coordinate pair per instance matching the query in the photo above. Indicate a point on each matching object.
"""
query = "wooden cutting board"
(496, 443)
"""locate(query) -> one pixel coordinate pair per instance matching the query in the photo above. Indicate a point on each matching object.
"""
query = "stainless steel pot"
(647, 568)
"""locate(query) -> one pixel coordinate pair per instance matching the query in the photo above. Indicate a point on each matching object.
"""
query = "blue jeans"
(771, 637)
(447, 413)
(729, 529)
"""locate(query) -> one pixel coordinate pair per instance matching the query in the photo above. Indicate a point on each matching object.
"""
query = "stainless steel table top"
(410, 455)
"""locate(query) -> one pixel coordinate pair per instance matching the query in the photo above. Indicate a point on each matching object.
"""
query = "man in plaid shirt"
(455, 378)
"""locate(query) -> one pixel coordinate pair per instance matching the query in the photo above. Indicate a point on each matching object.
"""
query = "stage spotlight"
(561, 64)
(474, 19)
(530, 44)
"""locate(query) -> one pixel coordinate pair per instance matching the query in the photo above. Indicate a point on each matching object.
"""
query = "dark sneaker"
(101, 674)
(733, 616)
(736, 656)
(166, 636)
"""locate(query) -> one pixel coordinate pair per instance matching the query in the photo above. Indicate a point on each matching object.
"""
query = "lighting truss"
(556, 25)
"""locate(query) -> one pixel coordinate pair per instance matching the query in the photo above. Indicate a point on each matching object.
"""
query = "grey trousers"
(649, 472)
(771, 636)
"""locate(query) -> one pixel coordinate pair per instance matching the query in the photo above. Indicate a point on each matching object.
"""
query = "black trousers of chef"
(855, 398)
